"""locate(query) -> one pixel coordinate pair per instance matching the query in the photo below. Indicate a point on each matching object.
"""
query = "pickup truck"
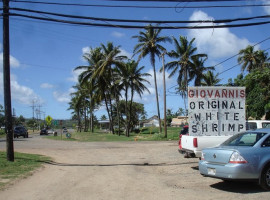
(192, 146)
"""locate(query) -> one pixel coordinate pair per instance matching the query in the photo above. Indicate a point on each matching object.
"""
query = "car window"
(266, 125)
(251, 125)
(244, 139)
(266, 143)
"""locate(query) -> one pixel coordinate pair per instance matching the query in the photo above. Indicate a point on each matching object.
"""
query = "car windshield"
(244, 139)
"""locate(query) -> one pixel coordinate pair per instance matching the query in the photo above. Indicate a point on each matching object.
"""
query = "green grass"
(22, 166)
(145, 134)
(2, 133)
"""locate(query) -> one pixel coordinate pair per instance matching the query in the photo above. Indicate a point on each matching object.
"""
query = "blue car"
(244, 156)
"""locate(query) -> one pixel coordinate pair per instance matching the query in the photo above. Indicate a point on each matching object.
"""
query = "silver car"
(245, 156)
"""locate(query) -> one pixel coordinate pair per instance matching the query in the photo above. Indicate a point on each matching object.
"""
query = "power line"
(136, 26)
(143, 21)
(141, 7)
(237, 64)
(239, 53)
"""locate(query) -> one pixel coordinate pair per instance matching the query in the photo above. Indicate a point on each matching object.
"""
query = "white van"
(255, 124)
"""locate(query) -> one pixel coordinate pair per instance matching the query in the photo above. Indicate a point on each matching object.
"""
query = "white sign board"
(216, 110)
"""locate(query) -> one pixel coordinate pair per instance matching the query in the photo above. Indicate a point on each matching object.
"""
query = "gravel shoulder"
(119, 170)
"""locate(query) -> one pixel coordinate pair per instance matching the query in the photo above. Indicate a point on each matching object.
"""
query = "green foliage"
(258, 92)
(2, 116)
(31, 123)
(137, 112)
(103, 117)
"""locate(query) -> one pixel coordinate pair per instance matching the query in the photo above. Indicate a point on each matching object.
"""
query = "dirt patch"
(120, 170)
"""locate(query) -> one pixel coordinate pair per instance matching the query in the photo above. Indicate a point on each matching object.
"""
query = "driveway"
(119, 170)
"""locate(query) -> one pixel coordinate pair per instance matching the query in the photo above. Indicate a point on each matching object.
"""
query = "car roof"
(261, 130)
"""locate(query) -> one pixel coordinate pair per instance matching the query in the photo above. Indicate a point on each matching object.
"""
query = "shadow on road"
(115, 164)
(238, 187)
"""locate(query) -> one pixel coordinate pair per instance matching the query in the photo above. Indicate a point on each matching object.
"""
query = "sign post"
(216, 110)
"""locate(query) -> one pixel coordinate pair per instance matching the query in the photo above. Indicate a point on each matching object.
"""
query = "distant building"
(179, 121)
(104, 124)
(151, 122)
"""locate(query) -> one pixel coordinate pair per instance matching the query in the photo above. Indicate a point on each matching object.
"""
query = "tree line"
(112, 79)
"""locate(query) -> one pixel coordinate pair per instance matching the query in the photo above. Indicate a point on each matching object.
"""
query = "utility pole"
(6, 78)
(164, 94)
(33, 108)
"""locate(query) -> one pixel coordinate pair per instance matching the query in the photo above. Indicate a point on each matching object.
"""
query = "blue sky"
(44, 54)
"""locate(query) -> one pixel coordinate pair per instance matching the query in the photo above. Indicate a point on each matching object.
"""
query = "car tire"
(265, 178)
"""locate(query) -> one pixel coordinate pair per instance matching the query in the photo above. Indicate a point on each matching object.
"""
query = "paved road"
(119, 170)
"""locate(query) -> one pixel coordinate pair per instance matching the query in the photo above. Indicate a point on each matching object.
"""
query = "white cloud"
(125, 53)
(218, 42)
(19, 93)
(117, 34)
(85, 50)
(266, 8)
(63, 97)
(75, 74)
(13, 61)
(46, 86)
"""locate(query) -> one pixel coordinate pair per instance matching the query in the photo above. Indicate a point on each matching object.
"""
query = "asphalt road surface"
(119, 170)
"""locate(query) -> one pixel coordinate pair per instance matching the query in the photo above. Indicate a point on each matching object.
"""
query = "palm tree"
(136, 82)
(149, 44)
(198, 70)
(132, 79)
(264, 60)
(210, 79)
(184, 54)
(111, 57)
(252, 60)
(86, 78)
(247, 58)
(78, 104)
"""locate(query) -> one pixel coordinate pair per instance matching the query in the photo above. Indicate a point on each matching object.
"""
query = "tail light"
(202, 157)
(237, 158)
(195, 142)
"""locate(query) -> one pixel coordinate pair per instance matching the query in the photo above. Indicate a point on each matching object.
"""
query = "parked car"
(43, 131)
(52, 131)
(255, 124)
(20, 131)
(244, 156)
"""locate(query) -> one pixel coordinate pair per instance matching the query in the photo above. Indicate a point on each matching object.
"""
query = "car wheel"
(265, 178)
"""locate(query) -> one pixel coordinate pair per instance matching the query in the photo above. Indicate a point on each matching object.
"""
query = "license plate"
(211, 171)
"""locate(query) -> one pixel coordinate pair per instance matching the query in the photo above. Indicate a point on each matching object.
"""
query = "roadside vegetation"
(22, 167)
(144, 134)
(111, 80)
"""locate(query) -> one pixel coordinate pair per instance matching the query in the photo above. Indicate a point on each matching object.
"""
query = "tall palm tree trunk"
(108, 111)
(79, 122)
(111, 111)
(155, 80)
(130, 111)
(126, 111)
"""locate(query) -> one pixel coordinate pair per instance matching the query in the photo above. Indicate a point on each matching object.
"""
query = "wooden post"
(6, 78)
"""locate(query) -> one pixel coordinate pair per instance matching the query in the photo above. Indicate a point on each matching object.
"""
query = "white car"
(52, 131)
